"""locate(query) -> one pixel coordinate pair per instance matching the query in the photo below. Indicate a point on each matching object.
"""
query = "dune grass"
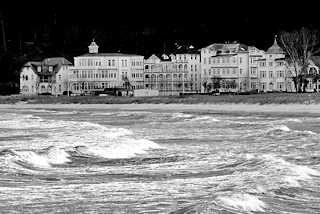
(271, 98)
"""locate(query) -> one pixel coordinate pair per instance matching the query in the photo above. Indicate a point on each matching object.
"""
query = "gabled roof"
(55, 62)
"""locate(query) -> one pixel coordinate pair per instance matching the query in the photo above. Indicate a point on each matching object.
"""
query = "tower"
(93, 47)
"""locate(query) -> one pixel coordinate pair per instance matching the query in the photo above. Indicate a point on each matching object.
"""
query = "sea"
(158, 161)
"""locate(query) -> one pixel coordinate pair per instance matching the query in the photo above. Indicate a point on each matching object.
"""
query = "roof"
(55, 62)
(275, 48)
(228, 47)
(109, 54)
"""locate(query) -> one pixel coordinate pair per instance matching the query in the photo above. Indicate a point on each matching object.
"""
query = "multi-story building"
(272, 70)
(49, 76)
(161, 74)
(190, 60)
(225, 67)
(174, 74)
(96, 71)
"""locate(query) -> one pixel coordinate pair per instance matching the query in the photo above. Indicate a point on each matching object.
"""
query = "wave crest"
(244, 202)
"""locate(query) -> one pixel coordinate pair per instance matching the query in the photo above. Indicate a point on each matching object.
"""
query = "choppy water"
(108, 161)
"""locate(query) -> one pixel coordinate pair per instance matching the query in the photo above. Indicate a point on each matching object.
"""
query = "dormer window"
(39, 68)
(50, 68)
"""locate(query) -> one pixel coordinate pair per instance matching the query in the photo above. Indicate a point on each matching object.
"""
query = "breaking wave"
(128, 148)
(291, 173)
(205, 119)
(244, 202)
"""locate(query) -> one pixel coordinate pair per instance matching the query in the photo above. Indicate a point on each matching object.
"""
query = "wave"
(205, 119)
(182, 115)
(291, 173)
(128, 148)
(296, 120)
(39, 159)
(281, 128)
(102, 113)
(245, 202)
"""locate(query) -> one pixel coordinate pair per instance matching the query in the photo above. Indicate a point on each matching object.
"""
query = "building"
(96, 71)
(273, 71)
(173, 75)
(49, 76)
(189, 59)
(225, 67)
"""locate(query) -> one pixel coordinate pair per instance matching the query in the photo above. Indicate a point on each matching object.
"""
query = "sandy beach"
(280, 108)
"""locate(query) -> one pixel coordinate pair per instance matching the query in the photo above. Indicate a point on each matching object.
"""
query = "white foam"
(33, 159)
(249, 156)
(128, 148)
(310, 132)
(293, 173)
(281, 127)
(102, 113)
(182, 115)
(205, 118)
(244, 202)
(57, 156)
(294, 120)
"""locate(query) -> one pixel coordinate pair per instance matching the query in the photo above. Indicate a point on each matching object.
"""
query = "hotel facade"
(96, 71)
(174, 74)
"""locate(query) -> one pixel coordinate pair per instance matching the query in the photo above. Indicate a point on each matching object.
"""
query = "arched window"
(180, 67)
(146, 67)
(185, 67)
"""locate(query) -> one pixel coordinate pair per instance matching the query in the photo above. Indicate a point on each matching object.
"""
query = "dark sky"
(144, 26)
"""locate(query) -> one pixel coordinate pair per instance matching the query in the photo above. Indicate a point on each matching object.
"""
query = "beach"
(221, 107)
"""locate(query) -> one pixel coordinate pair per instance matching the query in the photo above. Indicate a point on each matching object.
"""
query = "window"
(113, 62)
(271, 74)
(270, 64)
(59, 76)
(240, 58)
(39, 68)
(50, 68)
(59, 88)
(263, 74)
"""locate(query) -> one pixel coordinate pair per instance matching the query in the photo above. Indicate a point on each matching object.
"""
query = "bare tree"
(300, 46)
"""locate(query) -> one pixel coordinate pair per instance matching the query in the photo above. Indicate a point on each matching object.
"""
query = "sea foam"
(245, 202)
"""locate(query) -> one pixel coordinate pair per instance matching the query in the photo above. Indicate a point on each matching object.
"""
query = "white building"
(174, 74)
(272, 70)
(229, 67)
(96, 71)
(49, 76)
(189, 60)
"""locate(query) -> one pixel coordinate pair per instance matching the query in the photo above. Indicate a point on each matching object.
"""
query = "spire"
(275, 40)
(275, 48)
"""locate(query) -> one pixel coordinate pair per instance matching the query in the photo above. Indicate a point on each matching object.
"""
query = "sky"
(160, 24)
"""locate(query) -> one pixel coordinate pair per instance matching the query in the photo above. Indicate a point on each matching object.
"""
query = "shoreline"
(221, 107)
